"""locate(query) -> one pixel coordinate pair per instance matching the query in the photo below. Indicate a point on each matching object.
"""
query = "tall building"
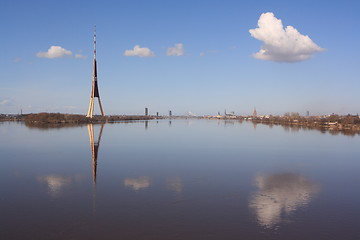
(94, 88)
(254, 113)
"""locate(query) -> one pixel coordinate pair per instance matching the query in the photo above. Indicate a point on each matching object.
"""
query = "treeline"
(59, 118)
(334, 122)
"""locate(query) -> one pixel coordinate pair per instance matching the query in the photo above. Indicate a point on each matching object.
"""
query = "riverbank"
(60, 118)
(348, 124)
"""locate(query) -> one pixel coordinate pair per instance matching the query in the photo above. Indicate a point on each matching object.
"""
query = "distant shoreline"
(60, 118)
(348, 124)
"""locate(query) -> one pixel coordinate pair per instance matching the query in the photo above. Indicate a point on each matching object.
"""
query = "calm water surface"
(181, 179)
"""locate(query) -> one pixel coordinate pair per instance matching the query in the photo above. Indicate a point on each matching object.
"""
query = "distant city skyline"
(190, 56)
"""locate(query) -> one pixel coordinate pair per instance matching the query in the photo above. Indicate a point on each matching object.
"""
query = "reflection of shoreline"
(279, 195)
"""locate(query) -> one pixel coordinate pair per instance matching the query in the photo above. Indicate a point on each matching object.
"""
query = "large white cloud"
(54, 52)
(139, 51)
(282, 44)
(177, 50)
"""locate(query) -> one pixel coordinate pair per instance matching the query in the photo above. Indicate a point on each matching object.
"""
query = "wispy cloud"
(4, 102)
(213, 51)
(7, 102)
(54, 52)
(282, 44)
(80, 56)
(17, 59)
(139, 51)
(177, 50)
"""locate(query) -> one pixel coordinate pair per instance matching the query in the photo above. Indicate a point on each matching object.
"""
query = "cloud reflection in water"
(175, 184)
(55, 183)
(279, 195)
(137, 183)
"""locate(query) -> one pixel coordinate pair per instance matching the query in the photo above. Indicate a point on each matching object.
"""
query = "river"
(178, 179)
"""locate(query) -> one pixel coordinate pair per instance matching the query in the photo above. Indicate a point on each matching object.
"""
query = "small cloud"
(4, 102)
(282, 44)
(80, 56)
(17, 59)
(139, 51)
(7, 102)
(54, 52)
(177, 50)
(207, 52)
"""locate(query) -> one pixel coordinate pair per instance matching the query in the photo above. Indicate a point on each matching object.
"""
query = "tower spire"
(94, 41)
(94, 88)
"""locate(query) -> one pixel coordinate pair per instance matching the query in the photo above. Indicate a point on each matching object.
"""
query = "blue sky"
(214, 69)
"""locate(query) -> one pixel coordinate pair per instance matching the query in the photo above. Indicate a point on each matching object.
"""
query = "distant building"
(254, 113)
(146, 111)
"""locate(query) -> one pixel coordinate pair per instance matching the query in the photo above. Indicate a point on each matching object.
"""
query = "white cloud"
(54, 52)
(4, 102)
(80, 56)
(139, 51)
(207, 52)
(282, 44)
(177, 50)
(7, 102)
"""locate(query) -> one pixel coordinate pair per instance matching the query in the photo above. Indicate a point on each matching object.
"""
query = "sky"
(201, 56)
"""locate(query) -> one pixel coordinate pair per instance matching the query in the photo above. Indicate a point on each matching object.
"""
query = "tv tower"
(94, 88)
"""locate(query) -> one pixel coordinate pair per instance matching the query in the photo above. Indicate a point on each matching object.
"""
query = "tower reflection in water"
(94, 155)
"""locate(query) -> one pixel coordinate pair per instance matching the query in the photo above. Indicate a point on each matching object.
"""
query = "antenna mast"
(94, 88)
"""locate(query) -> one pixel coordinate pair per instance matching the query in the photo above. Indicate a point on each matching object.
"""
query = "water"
(180, 179)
